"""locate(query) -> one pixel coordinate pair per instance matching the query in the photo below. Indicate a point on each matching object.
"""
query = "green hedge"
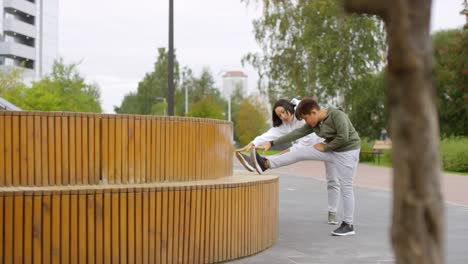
(366, 147)
(454, 154)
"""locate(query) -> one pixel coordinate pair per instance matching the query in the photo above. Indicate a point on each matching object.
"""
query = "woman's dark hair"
(288, 107)
(305, 107)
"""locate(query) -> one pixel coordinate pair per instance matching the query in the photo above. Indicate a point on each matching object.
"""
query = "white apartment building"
(29, 35)
(232, 80)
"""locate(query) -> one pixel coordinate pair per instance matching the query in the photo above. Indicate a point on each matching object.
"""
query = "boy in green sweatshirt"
(341, 148)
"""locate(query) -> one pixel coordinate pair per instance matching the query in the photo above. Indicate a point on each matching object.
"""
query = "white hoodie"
(276, 132)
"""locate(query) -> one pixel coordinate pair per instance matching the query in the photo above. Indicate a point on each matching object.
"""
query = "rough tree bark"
(418, 214)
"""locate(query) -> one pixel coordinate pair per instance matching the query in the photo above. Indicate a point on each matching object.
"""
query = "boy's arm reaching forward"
(293, 135)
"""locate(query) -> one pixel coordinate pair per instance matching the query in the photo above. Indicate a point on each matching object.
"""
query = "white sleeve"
(272, 134)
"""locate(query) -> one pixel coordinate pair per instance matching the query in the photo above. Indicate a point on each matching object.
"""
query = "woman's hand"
(246, 147)
(265, 146)
(320, 147)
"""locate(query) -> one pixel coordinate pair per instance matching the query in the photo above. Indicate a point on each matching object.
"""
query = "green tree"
(451, 79)
(237, 98)
(11, 80)
(312, 48)
(204, 86)
(129, 104)
(152, 90)
(366, 105)
(251, 122)
(152, 87)
(207, 108)
(11, 86)
(63, 90)
(201, 93)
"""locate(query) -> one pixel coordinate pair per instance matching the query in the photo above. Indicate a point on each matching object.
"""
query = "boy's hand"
(265, 146)
(320, 147)
(246, 147)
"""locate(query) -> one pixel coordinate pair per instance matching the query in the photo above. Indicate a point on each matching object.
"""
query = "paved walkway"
(454, 187)
(304, 235)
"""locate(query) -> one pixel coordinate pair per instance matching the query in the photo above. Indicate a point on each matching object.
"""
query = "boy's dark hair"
(305, 107)
(288, 107)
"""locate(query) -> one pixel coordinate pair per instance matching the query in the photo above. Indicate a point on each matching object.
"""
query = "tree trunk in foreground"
(418, 214)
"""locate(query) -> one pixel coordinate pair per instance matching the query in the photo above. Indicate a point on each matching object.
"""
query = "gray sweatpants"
(341, 169)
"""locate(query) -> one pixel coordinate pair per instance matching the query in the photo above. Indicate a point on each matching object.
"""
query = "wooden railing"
(90, 188)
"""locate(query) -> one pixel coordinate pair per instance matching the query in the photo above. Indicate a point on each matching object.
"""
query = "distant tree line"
(204, 98)
(366, 103)
(62, 90)
(311, 48)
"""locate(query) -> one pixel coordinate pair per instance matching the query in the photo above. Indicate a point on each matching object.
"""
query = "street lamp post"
(170, 66)
(229, 107)
(186, 100)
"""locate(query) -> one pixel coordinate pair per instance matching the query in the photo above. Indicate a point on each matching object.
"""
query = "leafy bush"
(454, 154)
(366, 148)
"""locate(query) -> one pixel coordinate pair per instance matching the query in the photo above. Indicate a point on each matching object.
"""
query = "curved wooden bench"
(50, 148)
(100, 188)
(184, 222)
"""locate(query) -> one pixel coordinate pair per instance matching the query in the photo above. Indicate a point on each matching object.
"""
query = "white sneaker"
(245, 161)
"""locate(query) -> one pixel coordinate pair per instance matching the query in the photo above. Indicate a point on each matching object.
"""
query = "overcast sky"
(116, 41)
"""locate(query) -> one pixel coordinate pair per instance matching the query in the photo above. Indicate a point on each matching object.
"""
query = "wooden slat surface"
(84, 150)
(51, 149)
(88, 188)
(16, 150)
(8, 235)
(91, 229)
(145, 226)
(56, 225)
(72, 149)
(203, 224)
(37, 230)
(65, 228)
(79, 149)
(74, 222)
(2, 151)
(123, 225)
(44, 151)
(91, 150)
(111, 152)
(28, 229)
(82, 228)
(131, 227)
(98, 227)
(58, 150)
(65, 151)
(23, 149)
(8, 150)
